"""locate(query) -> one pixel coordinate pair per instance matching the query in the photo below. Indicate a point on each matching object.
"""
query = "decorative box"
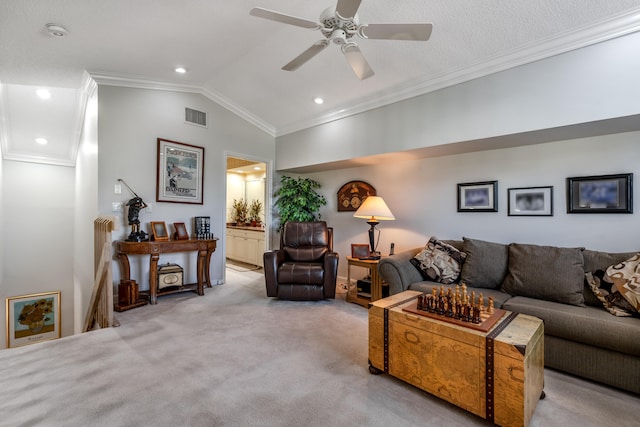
(169, 275)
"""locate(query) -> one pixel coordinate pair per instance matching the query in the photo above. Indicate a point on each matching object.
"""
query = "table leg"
(124, 263)
(202, 256)
(153, 278)
(376, 283)
(207, 267)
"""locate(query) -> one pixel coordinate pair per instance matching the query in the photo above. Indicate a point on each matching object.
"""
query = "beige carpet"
(236, 358)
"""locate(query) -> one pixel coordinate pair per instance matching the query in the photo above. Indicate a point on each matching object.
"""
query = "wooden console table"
(205, 249)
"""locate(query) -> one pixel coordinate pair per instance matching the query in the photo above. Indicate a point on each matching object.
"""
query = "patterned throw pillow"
(439, 262)
(625, 277)
(595, 283)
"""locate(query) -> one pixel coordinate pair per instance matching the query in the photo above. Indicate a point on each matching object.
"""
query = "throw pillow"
(439, 261)
(625, 277)
(545, 272)
(485, 265)
(594, 282)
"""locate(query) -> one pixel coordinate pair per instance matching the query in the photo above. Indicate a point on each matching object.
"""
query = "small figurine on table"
(135, 205)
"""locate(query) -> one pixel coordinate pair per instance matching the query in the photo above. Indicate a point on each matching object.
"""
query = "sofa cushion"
(545, 272)
(596, 260)
(439, 261)
(601, 293)
(625, 277)
(485, 265)
(587, 325)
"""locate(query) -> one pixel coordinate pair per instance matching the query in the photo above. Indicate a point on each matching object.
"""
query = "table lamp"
(374, 209)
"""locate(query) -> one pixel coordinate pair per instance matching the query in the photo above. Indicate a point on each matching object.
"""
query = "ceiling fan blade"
(281, 17)
(305, 56)
(358, 62)
(347, 8)
(397, 31)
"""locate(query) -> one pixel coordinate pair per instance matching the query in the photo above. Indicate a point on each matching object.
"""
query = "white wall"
(422, 196)
(38, 233)
(86, 211)
(597, 83)
(130, 121)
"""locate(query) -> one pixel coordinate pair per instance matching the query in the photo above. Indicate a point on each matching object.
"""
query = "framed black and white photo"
(478, 197)
(600, 194)
(180, 171)
(530, 201)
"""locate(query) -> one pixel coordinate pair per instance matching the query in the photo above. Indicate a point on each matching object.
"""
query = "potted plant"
(255, 212)
(298, 200)
(240, 210)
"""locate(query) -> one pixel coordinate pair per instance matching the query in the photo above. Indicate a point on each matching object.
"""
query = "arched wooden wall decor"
(352, 194)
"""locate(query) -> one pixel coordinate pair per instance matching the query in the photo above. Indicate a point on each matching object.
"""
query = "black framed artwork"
(530, 201)
(600, 194)
(478, 196)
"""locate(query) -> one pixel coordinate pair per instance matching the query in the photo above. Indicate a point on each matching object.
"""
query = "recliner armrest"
(330, 274)
(271, 261)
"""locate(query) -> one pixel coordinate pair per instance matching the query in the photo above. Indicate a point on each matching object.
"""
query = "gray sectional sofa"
(581, 337)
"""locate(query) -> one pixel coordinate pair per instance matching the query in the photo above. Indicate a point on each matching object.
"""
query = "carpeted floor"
(237, 358)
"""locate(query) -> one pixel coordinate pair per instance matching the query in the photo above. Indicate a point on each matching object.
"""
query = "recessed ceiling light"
(181, 70)
(256, 168)
(56, 30)
(41, 141)
(43, 93)
(318, 100)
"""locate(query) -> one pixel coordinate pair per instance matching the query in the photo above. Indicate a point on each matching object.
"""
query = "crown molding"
(607, 29)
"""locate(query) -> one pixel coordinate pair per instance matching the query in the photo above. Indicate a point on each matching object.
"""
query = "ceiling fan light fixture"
(56, 30)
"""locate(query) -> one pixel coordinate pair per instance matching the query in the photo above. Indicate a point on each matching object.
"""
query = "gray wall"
(130, 121)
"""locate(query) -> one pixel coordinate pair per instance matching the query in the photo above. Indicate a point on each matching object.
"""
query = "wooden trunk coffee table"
(497, 375)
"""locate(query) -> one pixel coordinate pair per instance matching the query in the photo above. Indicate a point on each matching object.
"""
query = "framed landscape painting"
(180, 172)
(600, 194)
(33, 318)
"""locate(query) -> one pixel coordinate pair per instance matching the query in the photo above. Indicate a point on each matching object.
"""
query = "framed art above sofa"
(600, 194)
(530, 201)
(478, 196)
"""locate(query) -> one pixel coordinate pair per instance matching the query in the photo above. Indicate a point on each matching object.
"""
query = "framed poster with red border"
(352, 194)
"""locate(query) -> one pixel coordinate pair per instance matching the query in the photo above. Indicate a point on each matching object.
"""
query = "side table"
(376, 281)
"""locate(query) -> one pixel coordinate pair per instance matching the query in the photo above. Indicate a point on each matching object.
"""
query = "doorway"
(247, 213)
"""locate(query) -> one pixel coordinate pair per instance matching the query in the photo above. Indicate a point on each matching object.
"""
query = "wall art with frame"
(180, 172)
(530, 201)
(478, 196)
(181, 231)
(33, 318)
(600, 194)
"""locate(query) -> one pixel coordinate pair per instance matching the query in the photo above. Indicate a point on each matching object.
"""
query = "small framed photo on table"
(478, 197)
(530, 201)
(181, 231)
(600, 194)
(33, 318)
(159, 230)
(359, 250)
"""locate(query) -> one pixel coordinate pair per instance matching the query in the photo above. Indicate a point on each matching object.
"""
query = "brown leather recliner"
(305, 267)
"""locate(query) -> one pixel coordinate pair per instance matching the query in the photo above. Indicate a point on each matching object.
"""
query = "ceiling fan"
(338, 25)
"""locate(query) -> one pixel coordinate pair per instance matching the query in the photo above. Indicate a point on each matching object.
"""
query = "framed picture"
(530, 201)
(600, 194)
(359, 250)
(352, 194)
(181, 231)
(159, 230)
(180, 172)
(33, 318)
(478, 197)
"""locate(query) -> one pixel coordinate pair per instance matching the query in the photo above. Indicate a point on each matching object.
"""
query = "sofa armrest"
(398, 271)
(271, 261)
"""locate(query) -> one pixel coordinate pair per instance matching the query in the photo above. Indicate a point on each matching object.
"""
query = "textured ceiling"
(236, 59)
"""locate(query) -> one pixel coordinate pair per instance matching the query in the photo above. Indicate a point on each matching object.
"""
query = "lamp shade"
(374, 209)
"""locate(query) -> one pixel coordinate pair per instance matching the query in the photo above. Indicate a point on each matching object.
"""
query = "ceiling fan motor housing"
(336, 28)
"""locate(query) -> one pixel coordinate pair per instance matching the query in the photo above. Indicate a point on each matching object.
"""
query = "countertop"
(245, 227)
